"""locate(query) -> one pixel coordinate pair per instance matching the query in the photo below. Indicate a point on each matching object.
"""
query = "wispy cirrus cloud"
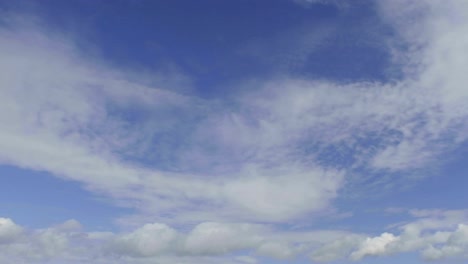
(80, 125)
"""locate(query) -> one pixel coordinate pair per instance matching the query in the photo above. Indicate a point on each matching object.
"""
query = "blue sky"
(282, 131)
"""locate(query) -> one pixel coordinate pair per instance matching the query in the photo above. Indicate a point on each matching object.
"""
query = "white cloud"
(148, 240)
(9, 231)
(338, 249)
(216, 238)
(440, 236)
(246, 259)
(277, 250)
(157, 242)
(307, 3)
(436, 234)
(456, 246)
(374, 246)
(62, 241)
(290, 193)
(265, 159)
(68, 117)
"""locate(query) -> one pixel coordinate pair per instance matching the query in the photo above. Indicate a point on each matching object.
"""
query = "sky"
(237, 132)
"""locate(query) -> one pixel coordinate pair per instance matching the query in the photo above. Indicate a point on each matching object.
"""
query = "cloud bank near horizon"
(435, 234)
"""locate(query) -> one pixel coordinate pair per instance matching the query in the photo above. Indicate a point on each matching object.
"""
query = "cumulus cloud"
(436, 234)
(148, 240)
(456, 246)
(157, 242)
(284, 195)
(374, 246)
(49, 244)
(9, 231)
(338, 249)
(277, 250)
(216, 238)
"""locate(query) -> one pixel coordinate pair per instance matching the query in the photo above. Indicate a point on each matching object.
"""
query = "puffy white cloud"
(9, 231)
(149, 240)
(217, 238)
(156, 242)
(456, 246)
(374, 246)
(337, 249)
(436, 234)
(246, 259)
(62, 241)
(278, 250)
(271, 196)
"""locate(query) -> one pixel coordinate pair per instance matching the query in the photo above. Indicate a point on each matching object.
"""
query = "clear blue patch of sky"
(218, 43)
(38, 199)
(440, 187)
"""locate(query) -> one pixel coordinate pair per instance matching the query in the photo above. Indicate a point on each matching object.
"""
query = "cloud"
(374, 246)
(432, 234)
(247, 259)
(456, 246)
(307, 3)
(9, 231)
(218, 239)
(435, 234)
(157, 242)
(284, 195)
(277, 250)
(62, 241)
(441, 236)
(338, 249)
(148, 240)
(274, 153)
(81, 120)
